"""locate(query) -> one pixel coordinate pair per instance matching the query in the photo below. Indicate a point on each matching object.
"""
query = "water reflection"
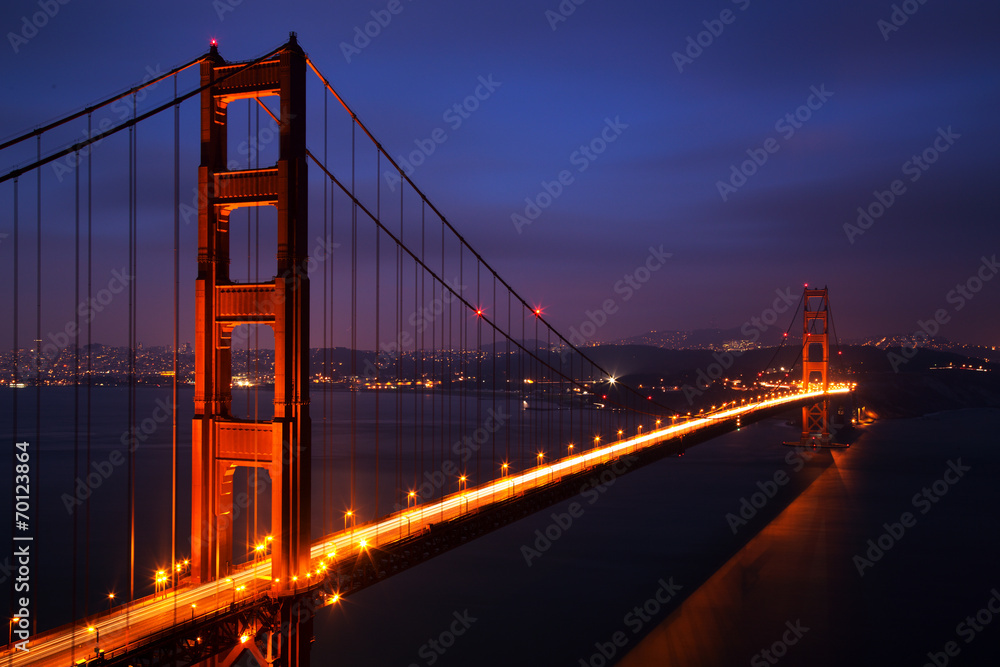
(788, 591)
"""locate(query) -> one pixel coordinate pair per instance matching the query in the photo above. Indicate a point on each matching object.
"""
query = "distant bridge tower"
(815, 365)
(220, 443)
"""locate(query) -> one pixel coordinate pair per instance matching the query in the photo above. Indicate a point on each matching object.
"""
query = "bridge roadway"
(127, 624)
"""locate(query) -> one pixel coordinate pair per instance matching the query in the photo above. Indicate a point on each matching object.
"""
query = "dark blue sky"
(886, 96)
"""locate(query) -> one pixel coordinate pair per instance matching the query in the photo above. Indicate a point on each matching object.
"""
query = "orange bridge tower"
(815, 365)
(221, 443)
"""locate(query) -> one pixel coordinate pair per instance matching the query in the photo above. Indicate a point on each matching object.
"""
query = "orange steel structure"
(815, 365)
(220, 442)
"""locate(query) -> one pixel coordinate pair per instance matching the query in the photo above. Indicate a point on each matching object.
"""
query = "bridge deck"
(124, 627)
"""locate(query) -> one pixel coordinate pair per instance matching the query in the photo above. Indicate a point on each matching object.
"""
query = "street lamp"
(159, 581)
(193, 605)
(97, 639)
(349, 514)
(412, 495)
(10, 634)
(505, 468)
(111, 599)
(597, 441)
(463, 483)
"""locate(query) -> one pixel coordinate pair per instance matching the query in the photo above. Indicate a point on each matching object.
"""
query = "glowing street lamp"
(97, 639)
(597, 441)
(463, 483)
(193, 605)
(412, 495)
(505, 468)
(10, 634)
(160, 582)
(111, 599)
(349, 515)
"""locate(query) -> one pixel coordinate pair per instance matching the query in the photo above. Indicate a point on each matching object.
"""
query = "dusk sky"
(833, 100)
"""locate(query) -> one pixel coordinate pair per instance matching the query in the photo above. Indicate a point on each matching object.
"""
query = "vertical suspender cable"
(397, 348)
(445, 362)
(76, 372)
(131, 353)
(354, 321)
(378, 305)
(176, 336)
(326, 342)
(418, 308)
(90, 350)
(479, 365)
(508, 387)
(493, 357)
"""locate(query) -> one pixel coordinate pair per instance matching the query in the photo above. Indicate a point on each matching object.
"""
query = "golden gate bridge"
(456, 351)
